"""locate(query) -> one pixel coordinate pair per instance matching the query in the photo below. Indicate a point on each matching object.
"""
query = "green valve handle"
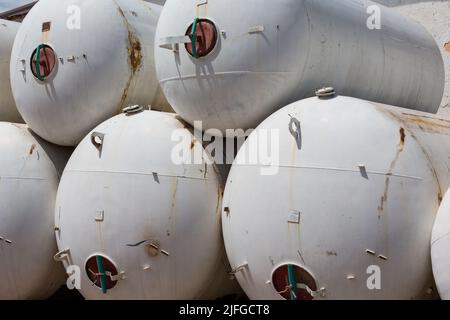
(292, 282)
(37, 64)
(194, 38)
(101, 271)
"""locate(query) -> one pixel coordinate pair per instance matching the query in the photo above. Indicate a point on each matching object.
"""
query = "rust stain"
(124, 96)
(120, 10)
(134, 45)
(426, 124)
(402, 136)
(219, 205)
(135, 57)
(33, 147)
(435, 125)
(384, 197)
(135, 52)
(433, 170)
(447, 46)
(46, 26)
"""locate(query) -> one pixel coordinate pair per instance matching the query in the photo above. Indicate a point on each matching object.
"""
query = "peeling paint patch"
(134, 45)
(135, 57)
(135, 51)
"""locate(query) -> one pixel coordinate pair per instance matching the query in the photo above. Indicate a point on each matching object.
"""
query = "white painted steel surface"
(144, 199)
(366, 184)
(102, 66)
(271, 53)
(29, 176)
(8, 109)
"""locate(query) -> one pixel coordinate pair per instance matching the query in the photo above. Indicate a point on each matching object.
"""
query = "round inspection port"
(203, 34)
(100, 270)
(294, 283)
(42, 62)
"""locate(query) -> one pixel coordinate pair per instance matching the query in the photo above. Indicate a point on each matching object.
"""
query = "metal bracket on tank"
(63, 256)
(173, 43)
(256, 29)
(319, 293)
(97, 139)
(296, 132)
(119, 276)
(239, 269)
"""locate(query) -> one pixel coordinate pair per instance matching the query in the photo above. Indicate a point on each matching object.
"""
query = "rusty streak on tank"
(134, 45)
(400, 148)
(33, 147)
(427, 123)
(134, 54)
(402, 136)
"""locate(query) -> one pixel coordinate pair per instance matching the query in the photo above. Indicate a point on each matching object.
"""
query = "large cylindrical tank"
(95, 57)
(342, 207)
(252, 57)
(148, 219)
(29, 176)
(8, 110)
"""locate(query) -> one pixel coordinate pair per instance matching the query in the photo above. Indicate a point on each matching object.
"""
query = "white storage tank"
(8, 109)
(29, 176)
(252, 57)
(343, 205)
(94, 57)
(150, 221)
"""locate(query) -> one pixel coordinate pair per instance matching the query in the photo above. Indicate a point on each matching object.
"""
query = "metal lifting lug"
(63, 255)
(239, 269)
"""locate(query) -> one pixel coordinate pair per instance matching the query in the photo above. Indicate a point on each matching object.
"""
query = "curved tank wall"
(29, 176)
(152, 219)
(267, 54)
(345, 204)
(94, 57)
(8, 109)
